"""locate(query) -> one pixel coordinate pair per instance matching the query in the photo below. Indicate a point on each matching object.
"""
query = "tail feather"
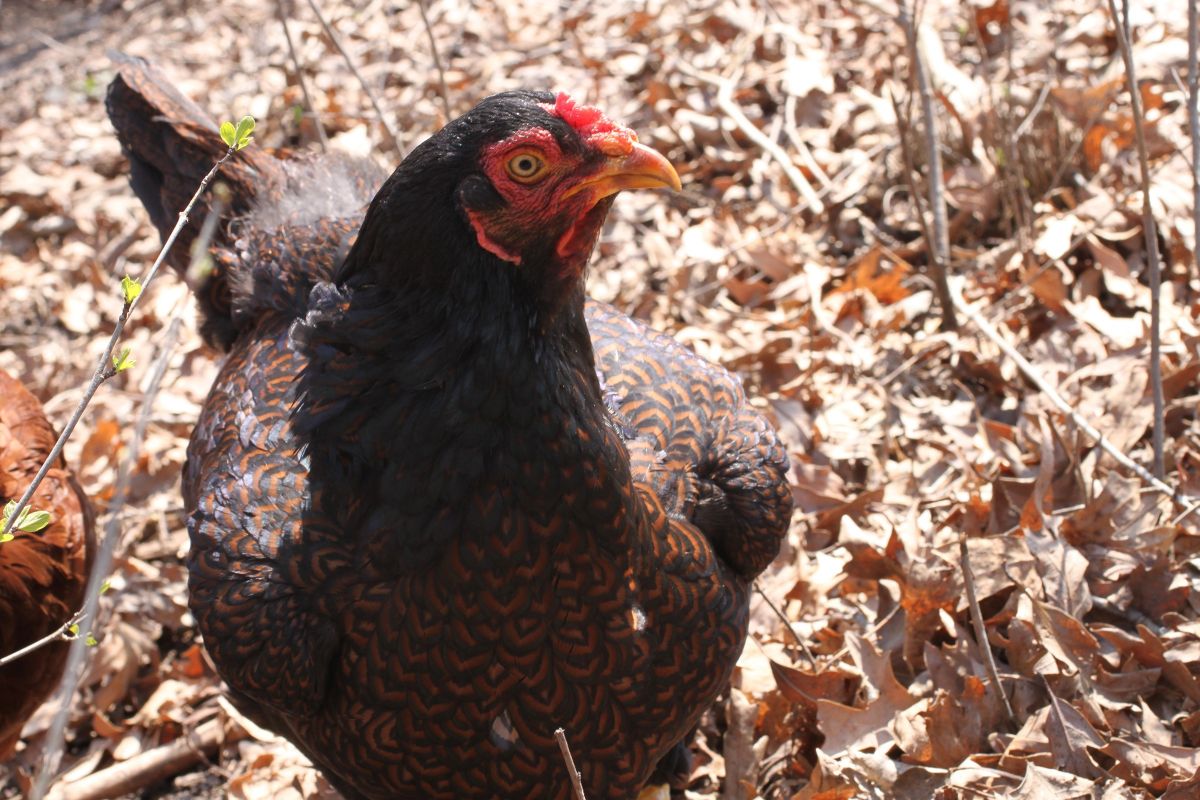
(171, 144)
(291, 217)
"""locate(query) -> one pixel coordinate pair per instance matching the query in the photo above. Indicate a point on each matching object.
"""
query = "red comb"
(609, 137)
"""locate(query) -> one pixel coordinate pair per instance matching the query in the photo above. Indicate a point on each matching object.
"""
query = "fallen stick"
(150, 767)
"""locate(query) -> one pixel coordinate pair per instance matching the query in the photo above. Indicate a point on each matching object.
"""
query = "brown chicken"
(42, 573)
(441, 504)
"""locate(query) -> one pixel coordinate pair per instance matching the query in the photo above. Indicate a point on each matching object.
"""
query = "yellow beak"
(643, 168)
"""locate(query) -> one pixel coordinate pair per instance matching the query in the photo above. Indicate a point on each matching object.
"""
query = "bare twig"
(989, 660)
(787, 623)
(103, 559)
(793, 135)
(728, 105)
(1193, 94)
(1010, 171)
(1019, 292)
(1062, 405)
(940, 246)
(1150, 230)
(61, 632)
(437, 59)
(104, 368)
(869, 634)
(102, 563)
(904, 126)
(576, 781)
(337, 42)
(282, 7)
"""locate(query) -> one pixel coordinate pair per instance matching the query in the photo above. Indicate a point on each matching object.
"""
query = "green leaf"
(298, 114)
(73, 629)
(30, 519)
(228, 133)
(242, 135)
(123, 360)
(131, 288)
(6, 537)
(90, 641)
(104, 587)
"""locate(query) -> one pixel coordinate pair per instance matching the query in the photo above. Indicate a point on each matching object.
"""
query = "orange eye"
(526, 166)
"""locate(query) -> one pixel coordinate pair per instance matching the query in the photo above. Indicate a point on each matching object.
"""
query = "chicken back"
(441, 504)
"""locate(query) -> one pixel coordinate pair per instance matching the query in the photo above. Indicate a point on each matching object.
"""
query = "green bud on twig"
(239, 136)
(130, 288)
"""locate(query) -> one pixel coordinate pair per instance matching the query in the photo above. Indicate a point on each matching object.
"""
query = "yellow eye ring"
(525, 166)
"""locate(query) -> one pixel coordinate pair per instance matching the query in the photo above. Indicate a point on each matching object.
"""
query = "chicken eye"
(526, 167)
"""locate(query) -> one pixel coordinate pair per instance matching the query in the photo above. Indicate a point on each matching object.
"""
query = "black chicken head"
(524, 178)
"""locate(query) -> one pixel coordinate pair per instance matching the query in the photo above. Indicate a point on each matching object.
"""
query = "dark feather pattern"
(442, 504)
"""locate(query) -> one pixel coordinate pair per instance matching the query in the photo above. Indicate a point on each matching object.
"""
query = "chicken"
(440, 503)
(42, 573)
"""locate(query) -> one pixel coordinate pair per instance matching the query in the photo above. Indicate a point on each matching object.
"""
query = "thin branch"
(989, 660)
(437, 59)
(1193, 94)
(1150, 231)
(101, 565)
(940, 246)
(337, 42)
(308, 101)
(869, 634)
(728, 105)
(904, 127)
(1062, 405)
(787, 623)
(61, 632)
(103, 559)
(104, 368)
(576, 781)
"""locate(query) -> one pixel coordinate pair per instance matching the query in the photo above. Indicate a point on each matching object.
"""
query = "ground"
(796, 256)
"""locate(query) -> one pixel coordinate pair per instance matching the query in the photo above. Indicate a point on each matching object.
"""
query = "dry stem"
(104, 368)
(102, 563)
(977, 623)
(58, 633)
(337, 43)
(787, 623)
(727, 104)
(308, 101)
(576, 781)
(1193, 94)
(437, 59)
(1149, 229)
(103, 559)
(939, 252)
